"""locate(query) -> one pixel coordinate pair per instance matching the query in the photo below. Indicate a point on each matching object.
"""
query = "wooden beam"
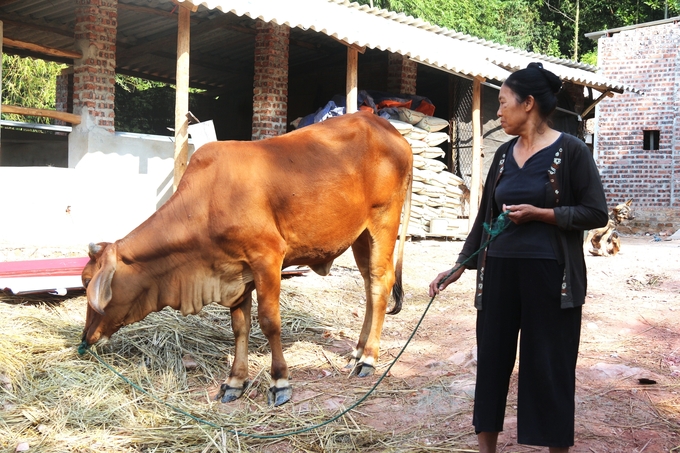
(606, 94)
(476, 183)
(239, 28)
(167, 40)
(40, 49)
(182, 95)
(27, 111)
(150, 11)
(186, 5)
(360, 49)
(352, 80)
(20, 21)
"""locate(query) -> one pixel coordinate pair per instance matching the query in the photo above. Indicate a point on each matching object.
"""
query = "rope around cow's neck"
(494, 230)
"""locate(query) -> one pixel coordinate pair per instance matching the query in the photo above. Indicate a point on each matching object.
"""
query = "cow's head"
(110, 299)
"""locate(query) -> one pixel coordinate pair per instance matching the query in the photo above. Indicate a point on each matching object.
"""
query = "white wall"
(65, 206)
(115, 181)
(124, 154)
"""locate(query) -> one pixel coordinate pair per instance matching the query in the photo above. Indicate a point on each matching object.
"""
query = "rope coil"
(494, 229)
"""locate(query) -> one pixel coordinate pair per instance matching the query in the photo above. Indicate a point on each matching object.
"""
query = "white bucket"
(438, 226)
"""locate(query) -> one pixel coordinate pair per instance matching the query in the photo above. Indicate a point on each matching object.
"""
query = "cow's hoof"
(278, 396)
(228, 394)
(364, 369)
(351, 365)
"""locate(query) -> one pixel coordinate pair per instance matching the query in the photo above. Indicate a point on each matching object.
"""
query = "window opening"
(650, 140)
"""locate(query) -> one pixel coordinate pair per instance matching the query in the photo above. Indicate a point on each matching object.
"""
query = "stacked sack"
(437, 197)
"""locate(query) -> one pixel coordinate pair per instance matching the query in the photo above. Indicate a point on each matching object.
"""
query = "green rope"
(494, 230)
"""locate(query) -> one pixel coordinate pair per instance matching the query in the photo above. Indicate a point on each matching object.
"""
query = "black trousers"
(524, 295)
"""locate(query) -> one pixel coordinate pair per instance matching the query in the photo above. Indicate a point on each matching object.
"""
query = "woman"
(532, 277)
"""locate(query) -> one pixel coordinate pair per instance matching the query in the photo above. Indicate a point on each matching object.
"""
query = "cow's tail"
(398, 289)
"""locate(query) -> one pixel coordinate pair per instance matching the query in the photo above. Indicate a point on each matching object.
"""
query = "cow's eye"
(86, 282)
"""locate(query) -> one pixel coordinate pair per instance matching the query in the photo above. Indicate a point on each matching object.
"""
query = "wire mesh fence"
(461, 131)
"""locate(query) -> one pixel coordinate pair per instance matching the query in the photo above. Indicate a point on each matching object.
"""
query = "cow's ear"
(629, 202)
(94, 250)
(99, 290)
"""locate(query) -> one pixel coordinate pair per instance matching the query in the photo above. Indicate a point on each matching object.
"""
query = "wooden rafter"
(151, 11)
(190, 6)
(360, 49)
(44, 50)
(24, 22)
(169, 39)
(62, 116)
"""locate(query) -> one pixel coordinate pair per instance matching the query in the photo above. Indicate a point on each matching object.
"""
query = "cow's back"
(316, 188)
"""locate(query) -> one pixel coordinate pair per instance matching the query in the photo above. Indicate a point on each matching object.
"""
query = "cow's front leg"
(269, 316)
(237, 381)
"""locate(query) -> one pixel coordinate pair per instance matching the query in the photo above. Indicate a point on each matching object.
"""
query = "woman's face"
(513, 114)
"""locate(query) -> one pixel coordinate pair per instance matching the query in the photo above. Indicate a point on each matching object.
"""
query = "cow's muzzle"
(84, 346)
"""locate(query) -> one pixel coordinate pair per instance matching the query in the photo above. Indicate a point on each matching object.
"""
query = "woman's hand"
(436, 287)
(522, 213)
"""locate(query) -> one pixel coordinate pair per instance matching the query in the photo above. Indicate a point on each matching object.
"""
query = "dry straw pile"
(54, 400)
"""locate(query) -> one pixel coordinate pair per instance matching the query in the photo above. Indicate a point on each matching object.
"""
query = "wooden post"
(182, 95)
(476, 184)
(352, 79)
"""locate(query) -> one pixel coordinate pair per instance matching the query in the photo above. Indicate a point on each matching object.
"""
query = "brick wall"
(401, 74)
(270, 82)
(94, 74)
(646, 58)
(64, 93)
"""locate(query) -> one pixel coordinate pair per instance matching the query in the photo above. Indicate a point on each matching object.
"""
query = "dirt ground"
(631, 331)
(628, 376)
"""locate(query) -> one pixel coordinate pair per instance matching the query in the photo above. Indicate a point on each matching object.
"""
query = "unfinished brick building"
(637, 138)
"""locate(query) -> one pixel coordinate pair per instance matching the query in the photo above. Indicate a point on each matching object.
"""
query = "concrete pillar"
(270, 83)
(401, 74)
(94, 74)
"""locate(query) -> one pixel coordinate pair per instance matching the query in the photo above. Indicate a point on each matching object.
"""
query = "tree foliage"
(510, 22)
(29, 82)
(544, 26)
(597, 15)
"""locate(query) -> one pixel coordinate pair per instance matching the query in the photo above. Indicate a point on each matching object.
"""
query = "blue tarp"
(378, 101)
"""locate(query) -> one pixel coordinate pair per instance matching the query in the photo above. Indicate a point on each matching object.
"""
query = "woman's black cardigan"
(575, 193)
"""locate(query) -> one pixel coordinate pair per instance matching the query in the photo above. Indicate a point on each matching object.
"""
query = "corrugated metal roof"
(355, 25)
(222, 38)
(420, 40)
(597, 34)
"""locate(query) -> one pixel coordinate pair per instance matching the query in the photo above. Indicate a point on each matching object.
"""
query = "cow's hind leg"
(374, 260)
(362, 253)
(237, 381)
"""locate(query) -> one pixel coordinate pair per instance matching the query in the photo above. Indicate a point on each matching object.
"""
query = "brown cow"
(245, 210)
